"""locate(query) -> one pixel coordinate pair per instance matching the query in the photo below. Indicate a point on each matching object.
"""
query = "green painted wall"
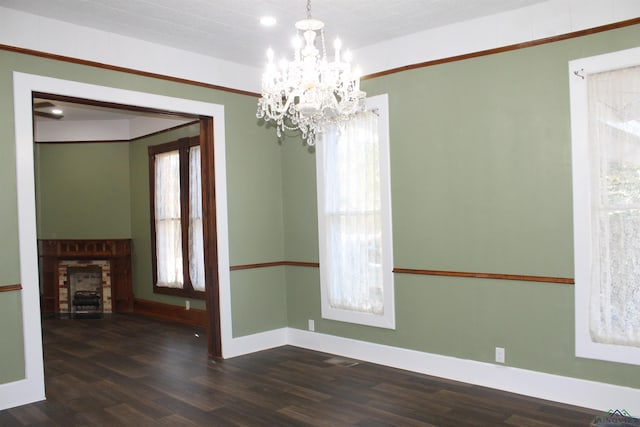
(82, 191)
(256, 225)
(300, 202)
(12, 348)
(11, 367)
(9, 258)
(254, 166)
(258, 294)
(481, 182)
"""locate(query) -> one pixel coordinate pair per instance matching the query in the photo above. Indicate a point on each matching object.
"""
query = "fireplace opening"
(85, 291)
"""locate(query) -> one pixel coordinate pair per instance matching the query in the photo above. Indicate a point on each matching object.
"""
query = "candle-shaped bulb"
(270, 55)
(337, 45)
(347, 56)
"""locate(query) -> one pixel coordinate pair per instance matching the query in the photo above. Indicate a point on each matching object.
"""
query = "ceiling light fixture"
(311, 91)
(268, 21)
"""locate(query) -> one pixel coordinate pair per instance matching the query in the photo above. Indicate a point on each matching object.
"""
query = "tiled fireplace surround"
(64, 283)
(111, 256)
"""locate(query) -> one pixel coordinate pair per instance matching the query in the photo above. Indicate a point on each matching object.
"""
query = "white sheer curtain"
(614, 150)
(196, 241)
(167, 213)
(353, 237)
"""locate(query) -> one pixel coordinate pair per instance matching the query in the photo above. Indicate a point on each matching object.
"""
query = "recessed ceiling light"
(268, 21)
(56, 111)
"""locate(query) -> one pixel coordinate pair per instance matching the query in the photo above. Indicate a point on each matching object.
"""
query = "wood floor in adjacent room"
(129, 370)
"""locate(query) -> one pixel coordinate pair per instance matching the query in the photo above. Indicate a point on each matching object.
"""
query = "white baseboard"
(256, 342)
(572, 391)
(20, 393)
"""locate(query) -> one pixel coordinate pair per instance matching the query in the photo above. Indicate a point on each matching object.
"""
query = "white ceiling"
(82, 122)
(230, 29)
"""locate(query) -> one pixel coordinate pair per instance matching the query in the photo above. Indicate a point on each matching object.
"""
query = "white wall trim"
(21, 392)
(584, 257)
(32, 388)
(256, 342)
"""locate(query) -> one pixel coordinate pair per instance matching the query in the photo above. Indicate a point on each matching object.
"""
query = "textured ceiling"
(230, 29)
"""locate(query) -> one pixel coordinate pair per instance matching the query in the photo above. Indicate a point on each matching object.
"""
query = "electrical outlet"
(312, 325)
(187, 304)
(500, 355)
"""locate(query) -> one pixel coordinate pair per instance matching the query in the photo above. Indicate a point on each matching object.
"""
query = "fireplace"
(85, 277)
(84, 287)
(85, 291)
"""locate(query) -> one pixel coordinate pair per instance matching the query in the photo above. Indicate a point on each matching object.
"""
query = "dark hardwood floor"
(129, 370)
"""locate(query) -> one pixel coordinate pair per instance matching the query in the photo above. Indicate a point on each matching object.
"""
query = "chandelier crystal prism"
(311, 91)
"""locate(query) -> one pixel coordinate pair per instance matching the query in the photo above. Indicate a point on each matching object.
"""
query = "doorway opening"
(60, 119)
(31, 388)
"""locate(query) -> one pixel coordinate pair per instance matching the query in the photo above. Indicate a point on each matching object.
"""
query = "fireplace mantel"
(79, 249)
(117, 252)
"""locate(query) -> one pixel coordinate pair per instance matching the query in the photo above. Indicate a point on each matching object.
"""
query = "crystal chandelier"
(311, 91)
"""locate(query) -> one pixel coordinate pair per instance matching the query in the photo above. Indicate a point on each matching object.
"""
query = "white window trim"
(387, 319)
(579, 71)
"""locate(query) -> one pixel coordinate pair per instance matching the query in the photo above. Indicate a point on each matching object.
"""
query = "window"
(354, 220)
(605, 114)
(177, 244)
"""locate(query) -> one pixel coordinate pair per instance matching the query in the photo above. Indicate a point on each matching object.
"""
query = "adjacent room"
(430, 220)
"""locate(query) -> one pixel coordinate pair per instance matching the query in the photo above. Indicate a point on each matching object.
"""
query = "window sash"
(354, 251)
(177, 190)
